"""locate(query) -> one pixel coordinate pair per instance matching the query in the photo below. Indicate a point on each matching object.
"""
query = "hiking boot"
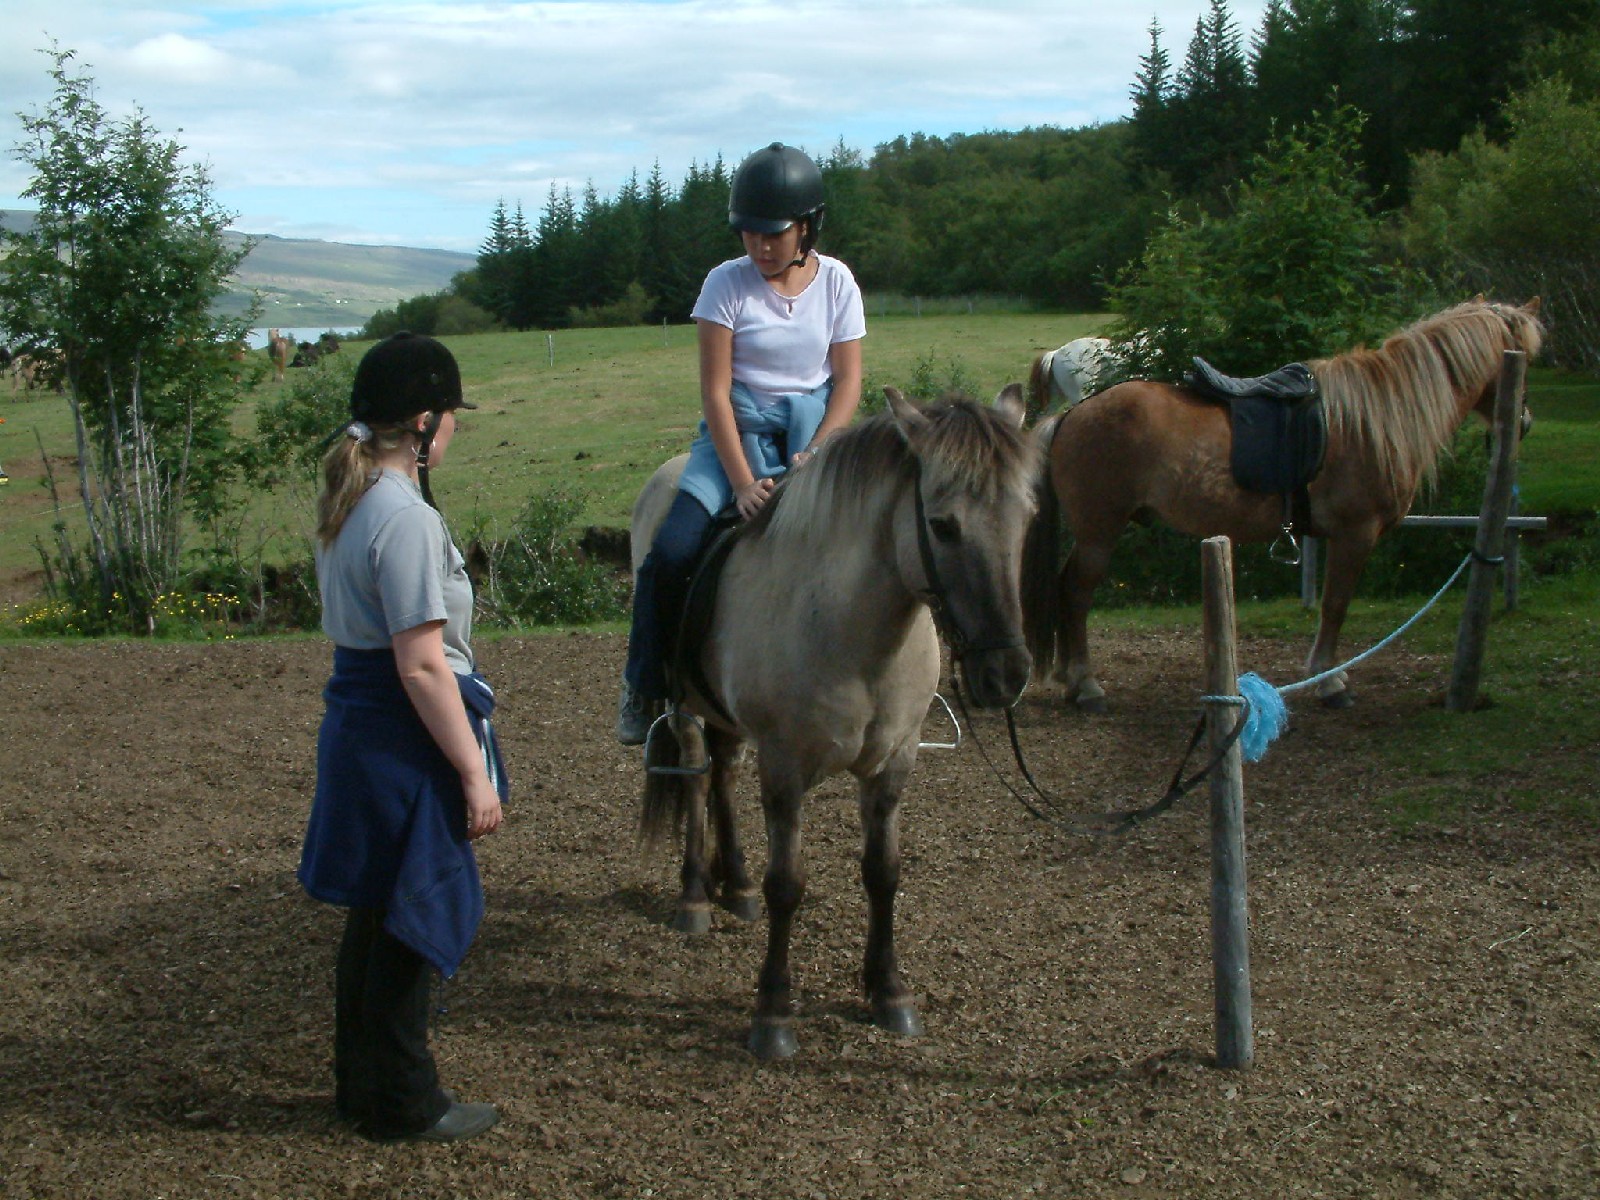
(634, 716)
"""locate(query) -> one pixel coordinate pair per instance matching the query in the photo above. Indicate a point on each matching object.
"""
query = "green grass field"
(591, 411)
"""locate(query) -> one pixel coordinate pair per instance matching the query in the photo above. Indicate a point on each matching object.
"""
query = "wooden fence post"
(1473, 634)
(1230, 910)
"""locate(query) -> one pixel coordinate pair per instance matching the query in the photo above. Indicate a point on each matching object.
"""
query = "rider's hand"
(752, 496)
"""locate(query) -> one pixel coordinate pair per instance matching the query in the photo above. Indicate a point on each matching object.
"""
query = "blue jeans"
(659, 591)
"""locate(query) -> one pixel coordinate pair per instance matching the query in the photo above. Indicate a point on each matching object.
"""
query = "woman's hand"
(752, 496)
(484, 814)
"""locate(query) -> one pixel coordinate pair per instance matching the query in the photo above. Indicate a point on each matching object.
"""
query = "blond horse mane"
(1400, 400)
(962, 446)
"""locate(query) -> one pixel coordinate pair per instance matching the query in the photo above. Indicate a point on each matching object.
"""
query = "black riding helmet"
(401, 376)
(772, 189)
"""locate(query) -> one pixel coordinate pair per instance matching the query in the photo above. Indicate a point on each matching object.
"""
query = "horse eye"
(946, 529)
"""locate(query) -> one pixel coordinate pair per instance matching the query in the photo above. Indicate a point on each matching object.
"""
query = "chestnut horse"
(1145, 448)
(821, 653)
(280, 350)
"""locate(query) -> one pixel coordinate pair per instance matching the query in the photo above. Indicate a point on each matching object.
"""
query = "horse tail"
(665, 802)
(1039, 383)
(1041, 563)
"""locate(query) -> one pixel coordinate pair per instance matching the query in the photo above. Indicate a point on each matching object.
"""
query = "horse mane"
(1400, 399)
(963, 444)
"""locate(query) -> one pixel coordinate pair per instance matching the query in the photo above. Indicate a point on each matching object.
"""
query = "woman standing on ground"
(408, 772)
(780, 334)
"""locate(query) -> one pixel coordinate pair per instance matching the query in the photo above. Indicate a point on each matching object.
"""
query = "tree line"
(1058, 217)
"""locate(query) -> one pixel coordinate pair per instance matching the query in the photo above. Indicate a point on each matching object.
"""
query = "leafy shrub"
(538, 576)
(631, 308)
(930, 379)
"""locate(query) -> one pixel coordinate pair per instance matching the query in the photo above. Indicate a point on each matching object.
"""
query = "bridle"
(937, 596)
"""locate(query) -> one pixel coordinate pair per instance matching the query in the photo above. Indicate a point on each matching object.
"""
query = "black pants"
(383, 1071)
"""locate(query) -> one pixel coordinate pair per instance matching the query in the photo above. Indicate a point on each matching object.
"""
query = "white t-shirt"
(781, 343)
(391, 568)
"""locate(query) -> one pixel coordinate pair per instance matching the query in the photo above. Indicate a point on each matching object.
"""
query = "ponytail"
(349, 468)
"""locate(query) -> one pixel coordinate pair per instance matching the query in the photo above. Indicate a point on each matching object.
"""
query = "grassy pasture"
(592, 411)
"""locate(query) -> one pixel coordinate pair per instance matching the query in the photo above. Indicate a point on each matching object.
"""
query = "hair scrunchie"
(359, 430)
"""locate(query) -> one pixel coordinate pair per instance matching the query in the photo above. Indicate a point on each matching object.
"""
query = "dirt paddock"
(1426, 1004)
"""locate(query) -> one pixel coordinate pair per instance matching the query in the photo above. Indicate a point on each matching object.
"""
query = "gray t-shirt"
(393, 567)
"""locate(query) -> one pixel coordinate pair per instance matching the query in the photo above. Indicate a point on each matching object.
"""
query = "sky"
(406, 123)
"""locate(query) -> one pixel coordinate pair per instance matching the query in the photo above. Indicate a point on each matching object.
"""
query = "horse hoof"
(744, 905)
(1338, 700)
(900, 1019)
(772, 1040)
(693, 919)
(1092, 704)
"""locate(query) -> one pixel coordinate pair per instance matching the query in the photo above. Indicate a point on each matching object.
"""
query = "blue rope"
(1266, 715)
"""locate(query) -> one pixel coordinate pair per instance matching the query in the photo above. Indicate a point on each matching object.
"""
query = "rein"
(1051, 810)
(1048, 808)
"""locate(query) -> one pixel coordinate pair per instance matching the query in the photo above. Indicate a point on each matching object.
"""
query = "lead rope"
(1052, 811)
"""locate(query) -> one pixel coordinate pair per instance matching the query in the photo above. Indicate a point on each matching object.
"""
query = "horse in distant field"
(1069, 373)
(820, 651)
(1144, 448)
(280, 350)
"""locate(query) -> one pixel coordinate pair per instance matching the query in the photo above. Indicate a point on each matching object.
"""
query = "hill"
(305, 282)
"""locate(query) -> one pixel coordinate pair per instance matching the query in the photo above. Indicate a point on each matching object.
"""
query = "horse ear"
(905, 412)
(1010, 405)
(1532, 307)
(1480, 298)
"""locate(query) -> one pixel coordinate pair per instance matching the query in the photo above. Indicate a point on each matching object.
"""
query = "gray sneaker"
(634, 715)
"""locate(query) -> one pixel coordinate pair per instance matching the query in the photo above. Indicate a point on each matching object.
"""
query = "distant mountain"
(306, 283)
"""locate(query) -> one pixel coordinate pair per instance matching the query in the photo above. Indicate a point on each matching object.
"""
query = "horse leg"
(693, 914)
(1347, 557)
(736, 892)
(892, 1006)
(1086, 566)
(784, 886)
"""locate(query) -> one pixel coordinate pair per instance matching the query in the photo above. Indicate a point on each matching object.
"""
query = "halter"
(937, 595)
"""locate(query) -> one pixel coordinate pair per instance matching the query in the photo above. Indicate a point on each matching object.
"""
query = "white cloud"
(410, 121)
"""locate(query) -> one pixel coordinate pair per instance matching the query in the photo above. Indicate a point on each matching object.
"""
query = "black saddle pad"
(1280, 435)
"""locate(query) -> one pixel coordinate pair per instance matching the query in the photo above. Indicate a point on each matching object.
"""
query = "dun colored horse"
(1153, 449)
(821, 652)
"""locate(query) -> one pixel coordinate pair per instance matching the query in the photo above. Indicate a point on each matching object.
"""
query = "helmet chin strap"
(427, 433)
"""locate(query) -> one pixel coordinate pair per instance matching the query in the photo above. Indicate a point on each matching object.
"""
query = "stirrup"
(1289, 557)
(949, 712)
(650, 737)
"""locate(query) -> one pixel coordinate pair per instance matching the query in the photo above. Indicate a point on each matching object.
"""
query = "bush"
(538, 576)
(631, 308)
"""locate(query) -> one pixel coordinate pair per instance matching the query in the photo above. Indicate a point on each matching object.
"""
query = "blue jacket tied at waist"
(388, 825)
(795, 417)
